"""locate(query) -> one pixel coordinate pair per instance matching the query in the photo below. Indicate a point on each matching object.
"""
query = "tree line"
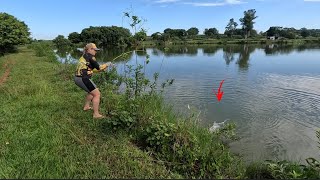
(122, 36)
(15, 32)
(102, 36)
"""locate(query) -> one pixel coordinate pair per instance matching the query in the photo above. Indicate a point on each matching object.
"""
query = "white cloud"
(234, 2)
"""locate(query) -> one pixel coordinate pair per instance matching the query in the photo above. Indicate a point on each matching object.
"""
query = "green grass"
(45, 134)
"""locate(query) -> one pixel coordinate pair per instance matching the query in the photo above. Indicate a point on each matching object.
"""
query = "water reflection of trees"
(111, 53)
(274, 49)
(210, 50)
(303, 47)
(228, 54)
(141, 52)
(178, 50)
(244, 52)
(63, 52)
(238, 53)
(156, 52)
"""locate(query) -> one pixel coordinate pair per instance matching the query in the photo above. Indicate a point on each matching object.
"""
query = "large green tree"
(156, 36)
(106, 36)
(274, 31)
(61, 42)
(290, 33)
(231, 27)
(211, 32)
(180, 33)
(247, 21)
(12, 32)
(304, 32)
(74, 37)
(193, 31)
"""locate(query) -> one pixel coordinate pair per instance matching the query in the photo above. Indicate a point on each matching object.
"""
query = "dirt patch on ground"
(6, 68)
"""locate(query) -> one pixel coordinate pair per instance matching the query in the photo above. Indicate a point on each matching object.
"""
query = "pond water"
(271, 93)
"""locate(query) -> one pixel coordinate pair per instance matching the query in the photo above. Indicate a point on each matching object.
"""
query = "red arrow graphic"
(220, 93)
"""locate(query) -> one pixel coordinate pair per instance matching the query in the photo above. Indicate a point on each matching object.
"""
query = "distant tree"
(274, 31)
(239, 32)
(167, 31)
(61, 42)
(165, 37)
(290, 33)
(261, 33)
(106, 35)
(314, 32)
(74, 37)
(12, 32)
(180, 33)
(231, 27)
(278, 31)
(253, 33)
(247, 21)
(193, 31)
(211, 32)
(304, 32)
(156, 36)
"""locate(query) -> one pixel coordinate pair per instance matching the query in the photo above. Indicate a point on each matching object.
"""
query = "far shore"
(150, 42)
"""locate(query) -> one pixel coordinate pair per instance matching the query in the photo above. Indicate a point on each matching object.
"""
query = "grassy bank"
(45, 134)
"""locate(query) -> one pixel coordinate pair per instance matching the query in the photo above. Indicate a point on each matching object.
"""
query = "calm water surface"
(271, 93)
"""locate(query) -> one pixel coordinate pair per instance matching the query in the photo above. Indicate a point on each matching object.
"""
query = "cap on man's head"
(92, 46)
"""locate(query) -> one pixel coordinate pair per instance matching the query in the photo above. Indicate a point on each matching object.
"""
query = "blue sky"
(49, 18)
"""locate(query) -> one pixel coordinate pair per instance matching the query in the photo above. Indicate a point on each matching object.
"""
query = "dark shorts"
(85, 83)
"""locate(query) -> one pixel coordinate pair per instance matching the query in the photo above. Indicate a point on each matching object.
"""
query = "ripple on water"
(281, 115)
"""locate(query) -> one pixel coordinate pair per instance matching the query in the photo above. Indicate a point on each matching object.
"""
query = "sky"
(47, 19)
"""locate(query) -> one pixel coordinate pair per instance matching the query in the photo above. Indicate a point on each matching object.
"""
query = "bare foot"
(98, 116)
(87, 108)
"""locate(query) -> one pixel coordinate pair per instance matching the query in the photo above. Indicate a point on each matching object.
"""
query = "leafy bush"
(285, 169)
(44, 48)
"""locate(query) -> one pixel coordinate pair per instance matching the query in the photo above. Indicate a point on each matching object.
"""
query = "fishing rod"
(121, 55)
